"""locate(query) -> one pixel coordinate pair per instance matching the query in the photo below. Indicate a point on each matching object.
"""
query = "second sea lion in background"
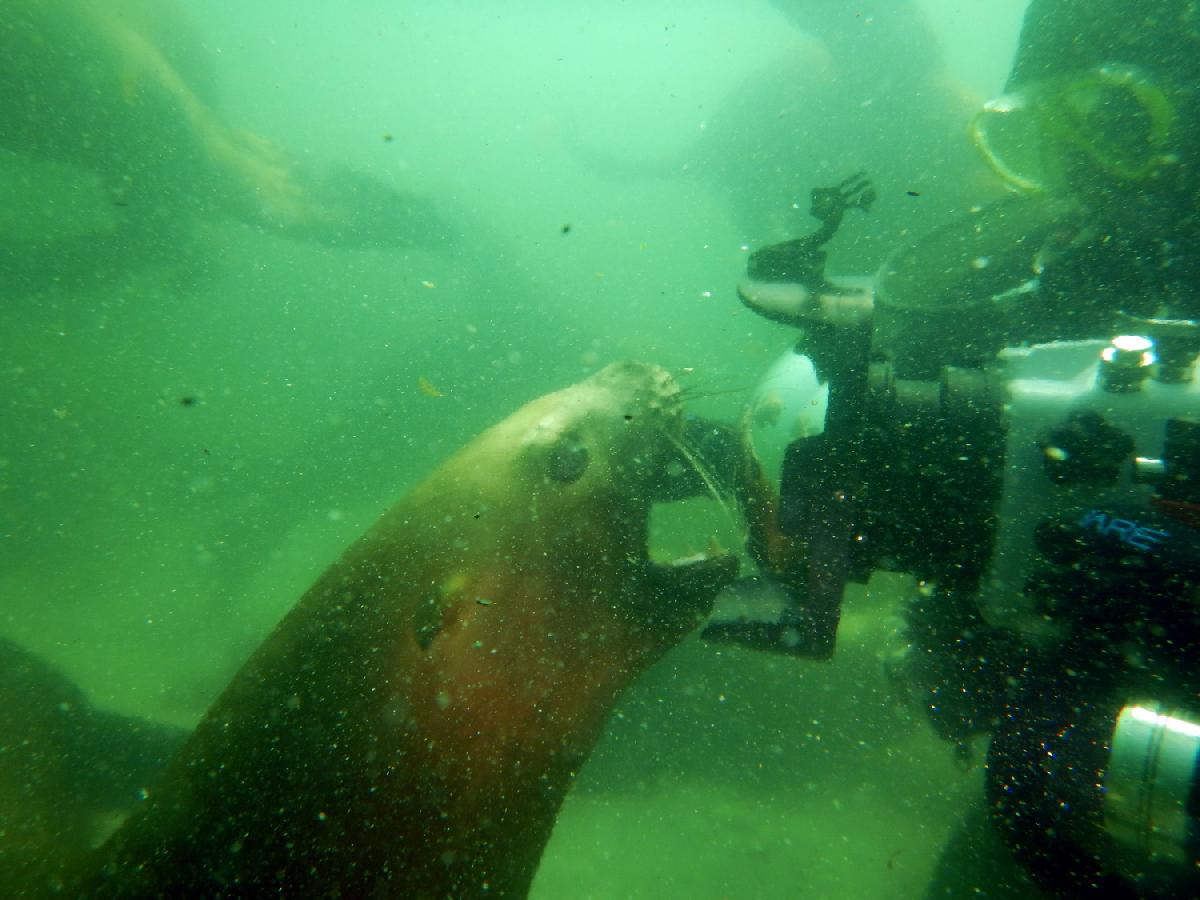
(114, 144)
(68, 771)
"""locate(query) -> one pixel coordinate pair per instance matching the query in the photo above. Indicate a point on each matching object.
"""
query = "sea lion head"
(560, 494)
(618, 424)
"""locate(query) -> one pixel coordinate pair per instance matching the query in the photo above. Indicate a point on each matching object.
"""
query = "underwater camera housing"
(1050, 505)
(1047, 497)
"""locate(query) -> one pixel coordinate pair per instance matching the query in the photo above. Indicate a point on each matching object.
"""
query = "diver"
(1011, 413)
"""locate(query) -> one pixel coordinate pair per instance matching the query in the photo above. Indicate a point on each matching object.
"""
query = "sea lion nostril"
(568, 461)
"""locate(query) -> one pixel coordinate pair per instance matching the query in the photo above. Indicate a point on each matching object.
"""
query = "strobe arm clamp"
(802, 260)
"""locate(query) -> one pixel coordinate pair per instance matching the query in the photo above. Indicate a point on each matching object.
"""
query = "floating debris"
(427, 387)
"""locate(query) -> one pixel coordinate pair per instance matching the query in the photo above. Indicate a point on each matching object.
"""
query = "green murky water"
(202, 406)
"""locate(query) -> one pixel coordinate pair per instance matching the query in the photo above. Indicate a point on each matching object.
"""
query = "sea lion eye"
(568, 461)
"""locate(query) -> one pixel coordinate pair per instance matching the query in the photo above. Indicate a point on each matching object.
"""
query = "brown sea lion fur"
(411, 728)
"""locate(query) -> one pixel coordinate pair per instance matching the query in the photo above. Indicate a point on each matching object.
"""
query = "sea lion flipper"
(341, 206)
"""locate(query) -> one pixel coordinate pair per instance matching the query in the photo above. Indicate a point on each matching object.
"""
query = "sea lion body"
(411, 727)
(114, 147)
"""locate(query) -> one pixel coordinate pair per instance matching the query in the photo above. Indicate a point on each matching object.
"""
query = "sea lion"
(114, 146)
(412, 726)
(69, 770)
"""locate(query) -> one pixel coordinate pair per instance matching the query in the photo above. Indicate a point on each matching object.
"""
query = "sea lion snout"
(630, 376)
(642, 404)
(641, 388)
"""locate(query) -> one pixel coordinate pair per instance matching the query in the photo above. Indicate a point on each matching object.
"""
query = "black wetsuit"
(1143, 258)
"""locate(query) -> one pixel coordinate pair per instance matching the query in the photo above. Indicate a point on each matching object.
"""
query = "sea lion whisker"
(724, 500)
(695, 392)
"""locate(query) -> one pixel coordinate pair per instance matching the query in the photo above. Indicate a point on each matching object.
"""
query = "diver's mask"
(1111, 123)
